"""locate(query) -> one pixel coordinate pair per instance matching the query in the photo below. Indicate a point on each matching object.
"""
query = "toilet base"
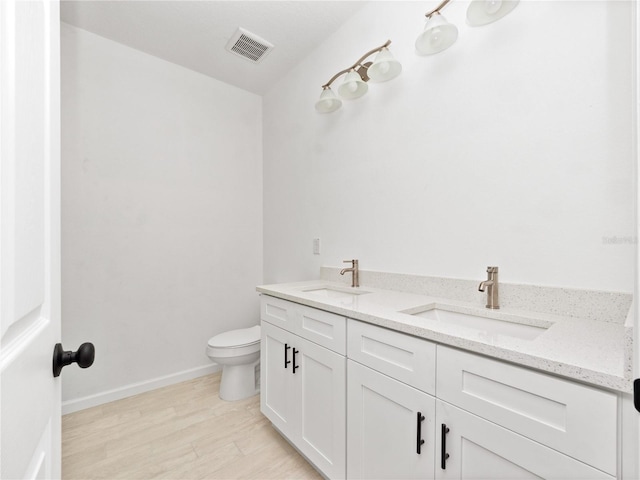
(239, 381)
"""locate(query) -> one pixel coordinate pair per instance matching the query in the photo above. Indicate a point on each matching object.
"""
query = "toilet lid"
(236, 338)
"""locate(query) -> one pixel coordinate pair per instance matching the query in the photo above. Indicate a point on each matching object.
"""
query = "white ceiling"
(194, 33)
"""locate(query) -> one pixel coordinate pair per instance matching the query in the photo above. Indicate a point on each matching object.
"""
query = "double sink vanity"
(380, 381)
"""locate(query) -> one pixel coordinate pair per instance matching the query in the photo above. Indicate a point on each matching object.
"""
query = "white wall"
(161, 213)
(512, 148)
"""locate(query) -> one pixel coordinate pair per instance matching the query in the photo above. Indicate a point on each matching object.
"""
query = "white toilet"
(238, 351)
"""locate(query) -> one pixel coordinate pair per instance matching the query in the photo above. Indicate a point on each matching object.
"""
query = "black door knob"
(83, 357)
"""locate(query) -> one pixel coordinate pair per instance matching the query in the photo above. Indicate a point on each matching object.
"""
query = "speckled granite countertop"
(591, 351)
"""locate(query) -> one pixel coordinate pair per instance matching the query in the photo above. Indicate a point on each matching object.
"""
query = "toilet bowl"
(238, 351)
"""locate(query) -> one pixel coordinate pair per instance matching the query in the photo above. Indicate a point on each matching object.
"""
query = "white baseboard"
(77, 404)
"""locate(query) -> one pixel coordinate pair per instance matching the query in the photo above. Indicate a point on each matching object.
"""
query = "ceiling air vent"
(248, 45)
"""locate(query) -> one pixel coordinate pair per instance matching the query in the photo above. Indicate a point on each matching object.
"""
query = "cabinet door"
(276, 380)
(479, 449)
(383, 426)
(321, 379)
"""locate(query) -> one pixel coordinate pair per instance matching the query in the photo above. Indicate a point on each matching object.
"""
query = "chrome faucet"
(491, 284)
(355, 279)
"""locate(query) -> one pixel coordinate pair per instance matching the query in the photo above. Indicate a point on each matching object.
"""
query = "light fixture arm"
(437, 9)
(360, 60)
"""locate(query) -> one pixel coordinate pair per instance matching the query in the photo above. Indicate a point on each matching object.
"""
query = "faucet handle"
(492, 269)
(352, 262)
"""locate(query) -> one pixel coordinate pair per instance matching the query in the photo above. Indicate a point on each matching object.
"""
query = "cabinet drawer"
(277, 312)
(324, 328)
(406, 358)
(575, 419)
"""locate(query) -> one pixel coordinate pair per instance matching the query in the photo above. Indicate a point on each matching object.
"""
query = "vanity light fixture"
(482, 12)
(438, 34)
(384, 67)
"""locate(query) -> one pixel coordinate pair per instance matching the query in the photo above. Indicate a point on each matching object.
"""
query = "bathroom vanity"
(371, 383)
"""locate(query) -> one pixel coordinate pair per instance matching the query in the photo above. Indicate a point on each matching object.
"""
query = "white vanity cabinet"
(367, 402)
(492, 419)
(303, 383)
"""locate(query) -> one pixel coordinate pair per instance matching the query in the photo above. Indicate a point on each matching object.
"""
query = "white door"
(633, 465)
(29, 238)
(469, 447)
(320, 382)
(390, 427)
(276, 382)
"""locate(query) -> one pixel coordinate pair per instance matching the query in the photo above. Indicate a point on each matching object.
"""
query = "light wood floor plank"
(182, 431)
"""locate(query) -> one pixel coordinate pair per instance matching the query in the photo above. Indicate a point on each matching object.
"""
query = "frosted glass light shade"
(384, 67)
(353, 86)
(438, 35)
(328, 101)
(482, 12)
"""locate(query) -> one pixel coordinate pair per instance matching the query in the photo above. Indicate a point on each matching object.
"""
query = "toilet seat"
(236, 338)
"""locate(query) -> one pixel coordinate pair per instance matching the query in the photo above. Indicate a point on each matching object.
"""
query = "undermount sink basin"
(488, 326)
(331, 292)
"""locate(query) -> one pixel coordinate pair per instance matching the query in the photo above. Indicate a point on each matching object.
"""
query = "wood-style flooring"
(182, 431)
